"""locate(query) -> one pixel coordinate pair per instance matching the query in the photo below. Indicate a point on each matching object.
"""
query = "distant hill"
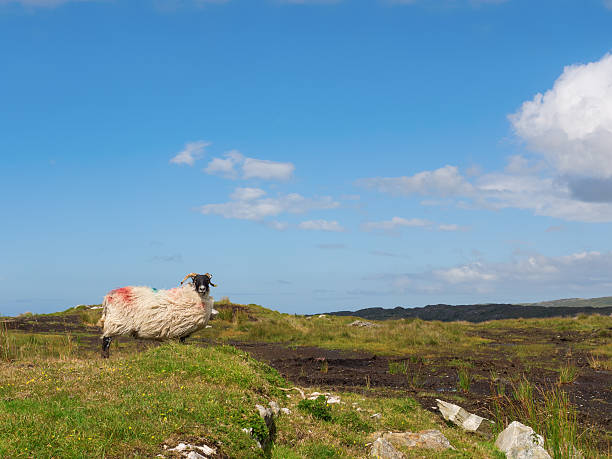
(478, 312)
(603, 302)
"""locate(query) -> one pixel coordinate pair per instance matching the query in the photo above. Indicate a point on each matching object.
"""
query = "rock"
(207, 450)
(285, 410)
(268, 417)
(376, 416)
(430, 439)
(274, 407)
(382, 449)
(180, 447)
(468, 421)
(519, 441)
(362, 323)
(214, 313)
(329, 398)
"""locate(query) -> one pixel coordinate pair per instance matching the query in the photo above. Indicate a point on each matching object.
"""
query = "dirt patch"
(435, 377)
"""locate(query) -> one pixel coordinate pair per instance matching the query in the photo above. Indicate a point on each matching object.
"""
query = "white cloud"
(570, 125)
(267, 170)
(443, 182)
(260, 208)
(191, 153)
(251, 168)
(225, 167)
(578, 272)
(394, 223)
(321, 225)
(526, 188)
(247, 194)
(451, 227)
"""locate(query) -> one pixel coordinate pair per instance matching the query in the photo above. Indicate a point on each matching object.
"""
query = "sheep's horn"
(210, 277)
(192, 275)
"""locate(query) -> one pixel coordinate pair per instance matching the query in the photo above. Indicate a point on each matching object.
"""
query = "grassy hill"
(59, 399)
(602, 302)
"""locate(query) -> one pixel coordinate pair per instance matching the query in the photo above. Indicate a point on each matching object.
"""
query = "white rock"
(247, 431)
(468, 421)
(285, 410)
(214, 312)
(333, 399)
(519, 441)
(194, 455)
(207, 450)
(376, 416)
(180, 447)
(429, 439)
(382, 449)
(208, 326)
(274, 407)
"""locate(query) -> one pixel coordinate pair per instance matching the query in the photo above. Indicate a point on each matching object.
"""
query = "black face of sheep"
(201, 283)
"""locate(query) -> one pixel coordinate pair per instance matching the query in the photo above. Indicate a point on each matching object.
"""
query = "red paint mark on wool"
(124, 294)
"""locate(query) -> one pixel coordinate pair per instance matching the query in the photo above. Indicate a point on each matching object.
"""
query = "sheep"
(144, 312)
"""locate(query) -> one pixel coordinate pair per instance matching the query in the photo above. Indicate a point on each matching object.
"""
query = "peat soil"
(425, 378)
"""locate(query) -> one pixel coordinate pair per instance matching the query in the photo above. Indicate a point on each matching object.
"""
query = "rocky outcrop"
(519, 441)
(385, 446)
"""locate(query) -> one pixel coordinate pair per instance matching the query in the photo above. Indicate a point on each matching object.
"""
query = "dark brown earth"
(423, 378)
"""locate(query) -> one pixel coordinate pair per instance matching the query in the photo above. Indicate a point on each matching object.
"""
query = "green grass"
(549, 413)
(61, 400)
(134, 403)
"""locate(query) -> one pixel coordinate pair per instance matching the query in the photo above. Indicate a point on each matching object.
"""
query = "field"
(59, 399)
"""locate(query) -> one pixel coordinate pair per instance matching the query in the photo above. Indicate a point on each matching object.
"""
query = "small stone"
(194, 455)
(376, 416)
(362, 323)
(274, 407)
(207, 450)
(180, 447)
(333, 399)
(382, 449)
(285, 410)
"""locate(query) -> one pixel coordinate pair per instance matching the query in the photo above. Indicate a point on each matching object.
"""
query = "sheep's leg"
(183, 338)
(106, 341)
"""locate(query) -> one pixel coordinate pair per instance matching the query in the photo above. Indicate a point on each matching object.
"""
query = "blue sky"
(312, 155)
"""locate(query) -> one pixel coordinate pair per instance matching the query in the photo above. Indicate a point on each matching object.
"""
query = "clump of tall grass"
(396, 368)
(568, 373)
(465, 378)
(549, 412)
(22, 346)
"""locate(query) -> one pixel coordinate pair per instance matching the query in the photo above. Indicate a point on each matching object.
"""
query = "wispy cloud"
(331, 246)
(245, 206)
(321, 225)
(394, 223)
(191, 153)
(443, 182)
(234, 165)
(581, 271)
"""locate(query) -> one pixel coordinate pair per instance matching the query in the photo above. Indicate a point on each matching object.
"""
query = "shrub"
(317, 408)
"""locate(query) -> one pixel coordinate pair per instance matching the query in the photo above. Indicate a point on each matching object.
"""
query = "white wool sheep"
(144, 312)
